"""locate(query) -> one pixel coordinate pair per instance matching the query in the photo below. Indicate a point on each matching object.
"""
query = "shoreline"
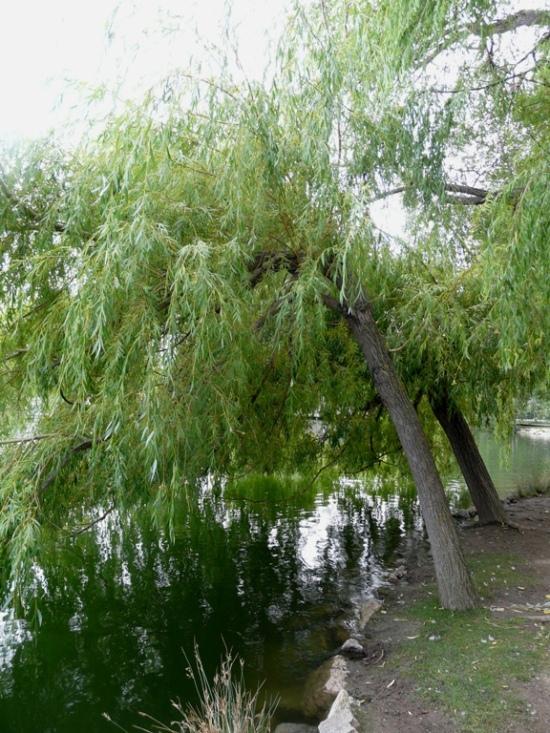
(392, 681)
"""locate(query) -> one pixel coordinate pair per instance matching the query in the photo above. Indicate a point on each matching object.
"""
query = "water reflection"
(269, 580)
(267, 572)
(523, 464)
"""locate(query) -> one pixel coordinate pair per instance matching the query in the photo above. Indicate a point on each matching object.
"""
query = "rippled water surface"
(123, 608)
(271, 580)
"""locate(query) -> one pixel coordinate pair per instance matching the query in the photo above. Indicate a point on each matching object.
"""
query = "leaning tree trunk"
(456, 589)
(482, 489)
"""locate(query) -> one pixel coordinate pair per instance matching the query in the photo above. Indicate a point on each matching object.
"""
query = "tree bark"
(456, 590)
(520, 19)
(480, 485)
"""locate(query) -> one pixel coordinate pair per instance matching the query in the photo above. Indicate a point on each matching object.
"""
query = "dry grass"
(225, 705)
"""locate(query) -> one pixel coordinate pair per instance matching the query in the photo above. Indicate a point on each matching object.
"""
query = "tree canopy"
(165, 285)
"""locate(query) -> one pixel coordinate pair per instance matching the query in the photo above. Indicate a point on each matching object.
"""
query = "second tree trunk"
(478, 480)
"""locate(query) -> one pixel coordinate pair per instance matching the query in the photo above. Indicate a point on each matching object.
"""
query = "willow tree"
(184, 256)
(459, 152)
(173, 290)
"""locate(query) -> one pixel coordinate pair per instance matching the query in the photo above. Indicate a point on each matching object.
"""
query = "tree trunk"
(482, 489)
(456, 590)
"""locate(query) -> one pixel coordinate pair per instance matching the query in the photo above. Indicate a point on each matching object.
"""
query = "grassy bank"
(471, 665)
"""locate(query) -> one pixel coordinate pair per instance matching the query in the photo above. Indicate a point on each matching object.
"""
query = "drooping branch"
(93, 523)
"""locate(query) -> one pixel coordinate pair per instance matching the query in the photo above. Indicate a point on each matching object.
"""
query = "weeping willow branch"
(35, 220)
(54, 473)
(330, 463)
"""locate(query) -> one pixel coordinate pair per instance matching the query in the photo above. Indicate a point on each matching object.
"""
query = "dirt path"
(391, 701)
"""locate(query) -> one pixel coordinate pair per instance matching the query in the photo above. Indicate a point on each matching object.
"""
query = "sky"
(60, 49)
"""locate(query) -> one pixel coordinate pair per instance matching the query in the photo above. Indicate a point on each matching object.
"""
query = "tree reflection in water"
(123, 605)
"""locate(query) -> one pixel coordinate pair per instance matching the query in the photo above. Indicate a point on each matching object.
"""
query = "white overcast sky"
(46, 43)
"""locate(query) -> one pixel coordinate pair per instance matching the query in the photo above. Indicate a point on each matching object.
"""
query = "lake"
(122, 607)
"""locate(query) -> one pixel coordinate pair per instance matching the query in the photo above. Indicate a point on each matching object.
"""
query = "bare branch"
(489, 85)
(14, 354)
(54, 473)
(468, 190)
(521, 19)
(465, 200)
(99, 519)
(470, 194)
(390, 192)
(30, 439)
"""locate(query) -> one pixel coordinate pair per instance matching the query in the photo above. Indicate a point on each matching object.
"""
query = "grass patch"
(261, 488)
(492, 572)
(468, 663)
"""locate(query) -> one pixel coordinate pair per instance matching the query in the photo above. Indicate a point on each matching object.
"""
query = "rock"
(399, 573)
(352, 649)
(461, 514)
(323, 686)
(468, 513)
(367, 611)
(344, 624)
(340, 718)
(342, 631)
(296, 728)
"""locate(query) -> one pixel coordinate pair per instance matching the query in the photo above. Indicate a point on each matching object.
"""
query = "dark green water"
(122, 607)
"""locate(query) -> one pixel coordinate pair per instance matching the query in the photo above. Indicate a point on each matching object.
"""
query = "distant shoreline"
(529, 423)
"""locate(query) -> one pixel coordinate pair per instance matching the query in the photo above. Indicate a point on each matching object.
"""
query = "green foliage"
(163, 287)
